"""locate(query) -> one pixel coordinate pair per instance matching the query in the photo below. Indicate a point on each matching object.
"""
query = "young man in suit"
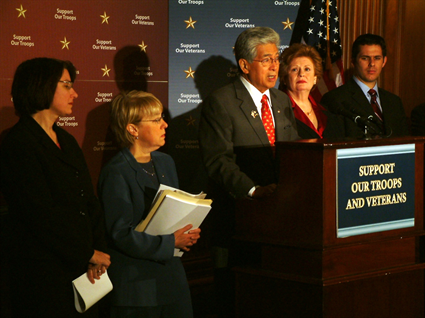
(356, 98)
(417, 118)
(237, 150)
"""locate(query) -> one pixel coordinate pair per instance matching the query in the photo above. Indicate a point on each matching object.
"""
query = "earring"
(137, 137)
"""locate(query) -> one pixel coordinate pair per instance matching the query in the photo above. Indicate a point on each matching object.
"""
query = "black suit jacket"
(56, 221)
(334, 128)
(350, 97)
(418, 120)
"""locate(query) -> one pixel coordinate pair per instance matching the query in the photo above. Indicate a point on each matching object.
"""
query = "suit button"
(77, 174)
(82, 213)
(82, 193)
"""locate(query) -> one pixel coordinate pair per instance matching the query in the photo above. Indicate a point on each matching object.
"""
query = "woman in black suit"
(300, 71)
(148, 280)
(55, 217)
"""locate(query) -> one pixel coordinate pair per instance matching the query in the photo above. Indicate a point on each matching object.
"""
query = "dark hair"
(247, 42)
(368, 39)
(294, 51)
(35, 81)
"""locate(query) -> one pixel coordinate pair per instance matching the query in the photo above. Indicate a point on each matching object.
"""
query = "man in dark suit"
(386, 116)
(418, 120)
(236, 149)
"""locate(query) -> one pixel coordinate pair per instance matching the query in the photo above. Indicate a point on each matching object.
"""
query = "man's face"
(368, 64)
(262, 76)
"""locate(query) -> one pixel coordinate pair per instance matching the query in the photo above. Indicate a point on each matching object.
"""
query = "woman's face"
(152, 131)
(64, 96)
(301, 75)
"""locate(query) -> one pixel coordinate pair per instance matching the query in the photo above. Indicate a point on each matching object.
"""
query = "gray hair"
(248, 41)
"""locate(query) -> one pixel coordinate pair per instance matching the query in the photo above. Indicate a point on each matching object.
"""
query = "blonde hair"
(130, 108)
(299, 50)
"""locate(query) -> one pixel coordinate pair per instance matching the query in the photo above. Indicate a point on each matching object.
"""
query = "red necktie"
(374, 104)
(266, 116)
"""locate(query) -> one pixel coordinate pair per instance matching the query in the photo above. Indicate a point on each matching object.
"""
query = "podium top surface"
(352, 143)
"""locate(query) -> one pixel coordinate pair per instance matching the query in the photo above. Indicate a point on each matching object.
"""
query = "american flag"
(317, 24)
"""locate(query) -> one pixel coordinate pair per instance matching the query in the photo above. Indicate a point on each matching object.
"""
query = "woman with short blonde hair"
(148, 280)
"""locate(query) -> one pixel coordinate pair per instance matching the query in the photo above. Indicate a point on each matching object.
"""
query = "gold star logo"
(143, 46)
(65, 43)
(287, 24)
(190, 121)
(104, 18)
(105, 70)
(190, 23)
(21, 11)
(190, 72)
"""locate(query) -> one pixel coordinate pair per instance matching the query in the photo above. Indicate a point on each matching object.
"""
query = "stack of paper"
(173, 209)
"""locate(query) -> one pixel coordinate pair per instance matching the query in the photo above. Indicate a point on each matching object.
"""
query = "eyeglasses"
(155, 121)
(68, 84)
(268, 61)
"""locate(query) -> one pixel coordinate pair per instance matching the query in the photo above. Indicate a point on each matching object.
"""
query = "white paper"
(176, 214)
(87, 294)
(163, 187)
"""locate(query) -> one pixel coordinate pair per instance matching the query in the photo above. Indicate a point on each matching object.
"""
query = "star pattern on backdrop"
(190, 23)
(143, 46)
(104, 18)
(21, 11)
(189, 72)
(65, 43)
(190, 121)
(105, 70)
(287, 24)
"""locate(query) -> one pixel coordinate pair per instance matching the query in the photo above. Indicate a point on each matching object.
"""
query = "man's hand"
(263, 192)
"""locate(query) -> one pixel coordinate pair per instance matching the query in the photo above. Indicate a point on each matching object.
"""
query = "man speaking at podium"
(239, 126)
(360, 100)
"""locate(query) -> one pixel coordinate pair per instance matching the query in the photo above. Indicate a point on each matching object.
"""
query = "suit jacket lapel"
(250, 110)
(142, 178)
(65, 154)
(361, 105)
(386, 109)
(279, 115)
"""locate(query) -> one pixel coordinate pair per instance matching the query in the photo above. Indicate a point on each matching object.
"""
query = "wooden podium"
(306, 269)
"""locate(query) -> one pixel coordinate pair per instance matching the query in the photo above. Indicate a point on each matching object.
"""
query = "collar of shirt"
(365, 89)
(256, 96)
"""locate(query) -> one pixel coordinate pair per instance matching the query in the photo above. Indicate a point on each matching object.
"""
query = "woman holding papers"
(56, 224)
(148, 280)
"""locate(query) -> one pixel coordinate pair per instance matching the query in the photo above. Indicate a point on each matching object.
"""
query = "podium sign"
(375, 189)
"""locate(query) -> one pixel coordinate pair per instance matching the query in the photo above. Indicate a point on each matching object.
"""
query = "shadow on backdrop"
(182, 133)
(99, 145)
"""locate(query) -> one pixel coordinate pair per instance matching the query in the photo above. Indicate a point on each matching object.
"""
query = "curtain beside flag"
(317, 24)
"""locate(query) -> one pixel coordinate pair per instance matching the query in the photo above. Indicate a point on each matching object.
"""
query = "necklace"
(153, 169)
(309, 113)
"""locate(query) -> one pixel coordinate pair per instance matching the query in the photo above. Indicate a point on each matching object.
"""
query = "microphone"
(374, 125)
(364, 121)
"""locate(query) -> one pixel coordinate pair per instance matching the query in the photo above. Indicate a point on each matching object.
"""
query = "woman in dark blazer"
(56, 221)
(300, 71)
(148, 280)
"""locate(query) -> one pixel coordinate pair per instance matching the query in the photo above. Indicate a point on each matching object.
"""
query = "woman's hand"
(98, 265)
(184, 240)
(95, 271)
